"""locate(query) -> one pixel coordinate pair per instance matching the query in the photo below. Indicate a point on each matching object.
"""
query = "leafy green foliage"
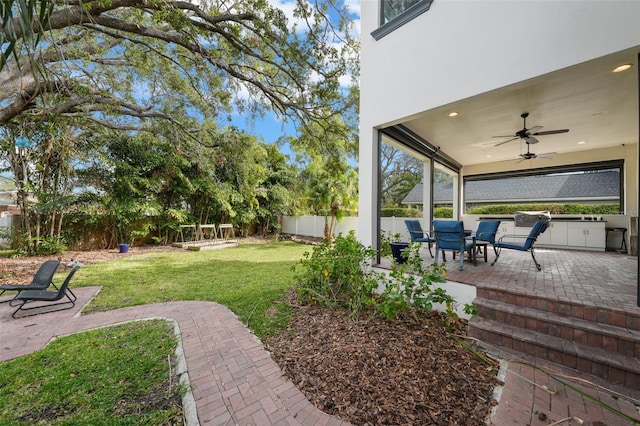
(338, 273)
(553, 208)
(386, 238)
(333, 274)
(443, 212)
(410, 285)
(399, 212)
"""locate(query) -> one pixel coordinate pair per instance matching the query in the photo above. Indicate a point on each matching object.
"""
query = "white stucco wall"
(460, 49)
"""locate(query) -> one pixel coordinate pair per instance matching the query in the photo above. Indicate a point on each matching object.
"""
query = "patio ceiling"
(599, 107)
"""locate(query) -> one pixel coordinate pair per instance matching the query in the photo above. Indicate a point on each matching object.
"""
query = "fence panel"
(313, 226)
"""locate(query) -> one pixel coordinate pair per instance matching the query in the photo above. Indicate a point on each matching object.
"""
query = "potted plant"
(390, 244)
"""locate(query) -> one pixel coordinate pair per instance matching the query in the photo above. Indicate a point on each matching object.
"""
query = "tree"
(329, 180)
(399, 173)
(40, 158)
(112, 62)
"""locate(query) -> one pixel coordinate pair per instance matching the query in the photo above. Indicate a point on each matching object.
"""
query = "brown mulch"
(373, 371)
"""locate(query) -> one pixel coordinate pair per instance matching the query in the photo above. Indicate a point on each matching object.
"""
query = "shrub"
(399, 212)
(443, 212)
(386, 238)
(553, 208)
(337, 274)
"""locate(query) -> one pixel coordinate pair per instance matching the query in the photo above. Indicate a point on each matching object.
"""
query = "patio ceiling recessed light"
(622, 68)
(581, 143)
(453, 114)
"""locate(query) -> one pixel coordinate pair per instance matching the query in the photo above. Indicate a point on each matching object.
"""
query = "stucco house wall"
(459, 49)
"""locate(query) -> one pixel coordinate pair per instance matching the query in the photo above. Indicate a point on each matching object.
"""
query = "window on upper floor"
(395, 13)
(390, 9)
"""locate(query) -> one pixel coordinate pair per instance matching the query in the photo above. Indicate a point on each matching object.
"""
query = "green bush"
(337, 274)
(399, 212)
(334, 274)
(443, 212)
(553, 208)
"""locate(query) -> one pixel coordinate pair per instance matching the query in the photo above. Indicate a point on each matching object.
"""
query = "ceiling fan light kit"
(527, 135)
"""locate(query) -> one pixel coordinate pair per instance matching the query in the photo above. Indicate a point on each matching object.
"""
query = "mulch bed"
(374, 371)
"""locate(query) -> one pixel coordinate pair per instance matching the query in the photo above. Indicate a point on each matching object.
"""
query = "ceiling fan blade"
(505, 136)
(550, 132)
(503, 142)
(531, 140)
(520, 160)
(534, 129)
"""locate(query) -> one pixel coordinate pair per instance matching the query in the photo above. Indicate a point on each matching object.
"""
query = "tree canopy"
(127, 102)
(119, 62)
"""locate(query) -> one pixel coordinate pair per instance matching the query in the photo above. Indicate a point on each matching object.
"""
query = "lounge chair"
(450, 235)
(417, 235)
(28, 296)
(41, 281)
(527, 242)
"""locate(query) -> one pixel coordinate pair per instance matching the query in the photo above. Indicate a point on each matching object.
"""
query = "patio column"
(427, 191)
(457, 198)
(368, 201)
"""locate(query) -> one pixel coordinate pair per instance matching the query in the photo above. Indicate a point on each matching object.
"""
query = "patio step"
(533, 325)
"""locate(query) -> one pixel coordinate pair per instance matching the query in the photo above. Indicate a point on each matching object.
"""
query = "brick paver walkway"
(233, 378)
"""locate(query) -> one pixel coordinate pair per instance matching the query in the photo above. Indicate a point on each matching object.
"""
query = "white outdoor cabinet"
(554, 235)
(591, 235)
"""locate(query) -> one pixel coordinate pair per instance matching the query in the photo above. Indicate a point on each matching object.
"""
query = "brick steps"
(598, 341)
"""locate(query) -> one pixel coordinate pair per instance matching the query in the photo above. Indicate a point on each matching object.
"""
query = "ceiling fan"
(528, 134)
(532, 156)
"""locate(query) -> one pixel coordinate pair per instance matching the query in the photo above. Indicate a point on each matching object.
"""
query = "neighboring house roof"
(601, 186)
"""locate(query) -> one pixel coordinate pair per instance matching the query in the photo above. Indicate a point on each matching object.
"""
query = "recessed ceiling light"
(581, 143)
(622, 68)
(453, 114)
(489, 156)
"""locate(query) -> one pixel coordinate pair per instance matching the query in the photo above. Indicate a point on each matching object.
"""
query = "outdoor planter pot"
(396, 251)
(124, 248)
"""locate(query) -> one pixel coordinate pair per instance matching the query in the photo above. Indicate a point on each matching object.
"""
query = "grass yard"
(118, 375)
(248, 279)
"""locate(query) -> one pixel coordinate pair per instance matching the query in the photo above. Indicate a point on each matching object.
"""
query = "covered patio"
(579, 312)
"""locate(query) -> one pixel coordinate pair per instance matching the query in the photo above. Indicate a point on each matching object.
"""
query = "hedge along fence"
(553, 208)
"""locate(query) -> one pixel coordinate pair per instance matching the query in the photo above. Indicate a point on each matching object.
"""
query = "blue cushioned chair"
(486, 233)
(449, 235)
(417, 235)
(527, 244)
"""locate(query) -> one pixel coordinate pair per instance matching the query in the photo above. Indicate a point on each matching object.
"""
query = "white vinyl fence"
(313, 226)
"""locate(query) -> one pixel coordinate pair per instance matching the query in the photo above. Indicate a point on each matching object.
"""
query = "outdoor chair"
(486, 234)
(41, 280)
(29, 296)
(527, 242)
(417, 235)
(450, 235)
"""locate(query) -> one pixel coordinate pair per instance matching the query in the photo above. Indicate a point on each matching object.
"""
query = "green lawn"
(119, 375)
(248, 279)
